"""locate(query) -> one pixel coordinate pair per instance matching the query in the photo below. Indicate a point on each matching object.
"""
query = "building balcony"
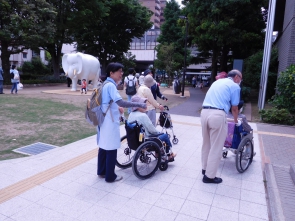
(158, 7)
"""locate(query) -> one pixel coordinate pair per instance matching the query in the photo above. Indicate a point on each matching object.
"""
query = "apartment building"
(157, 7)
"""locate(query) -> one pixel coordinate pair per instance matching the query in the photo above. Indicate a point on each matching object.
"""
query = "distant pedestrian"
(14, 75)
(221, 96)
(155, 87)
(1, 80)
(130, 84)
(84, 86)
(194, 81)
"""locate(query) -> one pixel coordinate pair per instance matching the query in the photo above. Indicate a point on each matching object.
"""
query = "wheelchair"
(144, 154)
(240, 143)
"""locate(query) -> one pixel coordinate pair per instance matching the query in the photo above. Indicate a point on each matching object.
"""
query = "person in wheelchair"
(139, 114)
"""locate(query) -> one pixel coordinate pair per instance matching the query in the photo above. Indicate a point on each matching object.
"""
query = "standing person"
(155, 87)
(108, 135)
(83, 86)
(1, 80)
(144, 91)
(194, 81)
(222, 95)
(14, 78)
(130, 84)
(141, 79)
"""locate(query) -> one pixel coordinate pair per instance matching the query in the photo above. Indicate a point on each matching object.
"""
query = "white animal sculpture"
(81, 66)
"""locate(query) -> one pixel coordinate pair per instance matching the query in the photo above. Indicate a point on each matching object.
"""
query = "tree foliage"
(166, 59)
(72, 16)
(220, 26)
(109, 38)
(129, 61)
(252, 71)
(285, 98)
(23, 24)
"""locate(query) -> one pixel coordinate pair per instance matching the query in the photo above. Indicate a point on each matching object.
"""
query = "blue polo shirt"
(223, 94)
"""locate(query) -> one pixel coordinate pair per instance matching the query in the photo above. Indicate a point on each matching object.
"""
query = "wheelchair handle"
(166, 107)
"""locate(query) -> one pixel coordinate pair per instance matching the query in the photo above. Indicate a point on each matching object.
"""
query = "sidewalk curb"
(274, 202)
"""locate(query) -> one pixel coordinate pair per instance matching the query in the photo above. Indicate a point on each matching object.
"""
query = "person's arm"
(123, 103)
(235, 112)
(148, 94)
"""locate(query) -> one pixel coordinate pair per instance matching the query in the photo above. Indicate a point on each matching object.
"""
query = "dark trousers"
(1, 86)
(106, 162)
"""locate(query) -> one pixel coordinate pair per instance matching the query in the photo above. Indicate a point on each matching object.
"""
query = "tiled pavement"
(61, 184)
(70, 190)
(280, 154)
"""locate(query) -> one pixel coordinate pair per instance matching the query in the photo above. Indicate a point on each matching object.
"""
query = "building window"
(25, 54)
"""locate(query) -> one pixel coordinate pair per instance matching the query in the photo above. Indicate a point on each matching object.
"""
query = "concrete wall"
(286, 43)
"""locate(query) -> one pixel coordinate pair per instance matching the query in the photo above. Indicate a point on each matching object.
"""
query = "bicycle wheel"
(124, 154)
(244, 155)
(146, 160)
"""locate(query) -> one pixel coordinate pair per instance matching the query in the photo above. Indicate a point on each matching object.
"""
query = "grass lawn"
(25, 121)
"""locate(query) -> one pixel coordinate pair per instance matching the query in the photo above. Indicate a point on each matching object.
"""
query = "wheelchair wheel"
(124, 154)
(175, 141)
(224, 154)
(146, 161)
(163, 166)
(244, 155)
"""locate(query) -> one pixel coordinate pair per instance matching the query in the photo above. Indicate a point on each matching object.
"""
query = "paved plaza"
(61, 184)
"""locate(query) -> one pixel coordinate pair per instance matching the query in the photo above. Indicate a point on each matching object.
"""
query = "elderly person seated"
(138, 114)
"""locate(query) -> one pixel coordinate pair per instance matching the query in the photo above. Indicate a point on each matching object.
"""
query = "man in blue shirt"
(222, 95)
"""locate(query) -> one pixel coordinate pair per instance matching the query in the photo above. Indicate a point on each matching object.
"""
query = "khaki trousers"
(214, 131)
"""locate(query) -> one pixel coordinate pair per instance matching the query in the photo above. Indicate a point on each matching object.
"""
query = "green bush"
(252, 72)
(35, 67)
(285, 98)
(277, 116)
(246, 91)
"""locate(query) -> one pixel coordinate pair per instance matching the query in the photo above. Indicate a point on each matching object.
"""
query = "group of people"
(222, 96)
(141, 106)
(14, 78)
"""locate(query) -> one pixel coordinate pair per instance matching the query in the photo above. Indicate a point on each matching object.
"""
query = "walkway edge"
(274, 202)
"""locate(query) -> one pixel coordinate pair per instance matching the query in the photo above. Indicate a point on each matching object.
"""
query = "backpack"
(93, 113)
(130, 90)
(16, 76)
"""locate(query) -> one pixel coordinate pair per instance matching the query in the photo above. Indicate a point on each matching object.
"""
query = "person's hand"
(164, 98)
(238, 123)
(161, 108)
(121, 109)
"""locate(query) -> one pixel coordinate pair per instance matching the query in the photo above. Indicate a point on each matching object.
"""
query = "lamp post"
(184, 64)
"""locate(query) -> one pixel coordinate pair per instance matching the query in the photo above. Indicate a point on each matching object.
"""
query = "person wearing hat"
(155, 88)
(144, 91)
(138, 114)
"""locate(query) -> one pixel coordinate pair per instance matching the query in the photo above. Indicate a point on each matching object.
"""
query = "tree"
(23, 25)
(252, 71)
(166, 59)
(172, 37)
(219, 26)
(129, 61)
(72, 16)
(110, 38)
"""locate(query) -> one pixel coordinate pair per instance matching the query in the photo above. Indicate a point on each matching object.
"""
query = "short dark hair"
(113, 67)
(131, 70)
(233, 73)
(13, 66)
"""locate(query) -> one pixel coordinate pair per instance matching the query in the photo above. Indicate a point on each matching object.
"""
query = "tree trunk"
(55, 52)
(5, 61)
